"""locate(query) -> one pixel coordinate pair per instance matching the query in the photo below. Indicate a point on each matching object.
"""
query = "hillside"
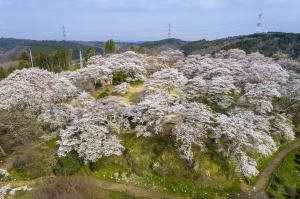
(267, 44)
(197, 126)
(154, 47)
(10, 49)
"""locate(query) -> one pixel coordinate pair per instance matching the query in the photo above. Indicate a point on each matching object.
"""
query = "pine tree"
(90, 52)
(2, 73)
(110, 47)
(24, 60)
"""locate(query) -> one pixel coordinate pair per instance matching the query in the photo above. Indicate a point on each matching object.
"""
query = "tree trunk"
(2, 151)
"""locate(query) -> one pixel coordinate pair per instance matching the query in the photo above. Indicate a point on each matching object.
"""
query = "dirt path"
(263, 179)
(137, 191)
(133, 190)
(258, 191)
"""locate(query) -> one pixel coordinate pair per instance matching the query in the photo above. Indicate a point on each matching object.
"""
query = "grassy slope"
(155, 163)
(286, 180)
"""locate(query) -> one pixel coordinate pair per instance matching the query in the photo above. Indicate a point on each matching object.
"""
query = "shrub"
(103, 94)
(35, 162)
(16, 130)
(68, 165)
(119, 78)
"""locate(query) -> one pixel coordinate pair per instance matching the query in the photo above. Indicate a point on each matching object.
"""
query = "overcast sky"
(139, 20)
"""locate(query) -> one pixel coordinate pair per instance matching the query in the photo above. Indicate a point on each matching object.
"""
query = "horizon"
(144, 20)
(124, 41)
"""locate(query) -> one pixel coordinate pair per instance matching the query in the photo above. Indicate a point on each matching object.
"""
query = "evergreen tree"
(62, 60)
(24, 60)
(24, 56)
(43, 60)
(2, 73)
(110, 47)
(90, 52)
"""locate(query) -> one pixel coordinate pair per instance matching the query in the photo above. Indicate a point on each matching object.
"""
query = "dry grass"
(133, 95)
(109, 89)
(16, 131)
(70, 188)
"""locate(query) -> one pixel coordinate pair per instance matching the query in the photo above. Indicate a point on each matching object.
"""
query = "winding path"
(263, 180)
(266, 174)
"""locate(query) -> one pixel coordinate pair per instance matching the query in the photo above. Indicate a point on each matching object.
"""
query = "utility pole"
(64, 33)
(169, 31)
(81, 59)
(31, 59)
(259, 23)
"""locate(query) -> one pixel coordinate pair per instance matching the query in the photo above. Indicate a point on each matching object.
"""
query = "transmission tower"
(64, 33)
(259, 23)
(169, 31)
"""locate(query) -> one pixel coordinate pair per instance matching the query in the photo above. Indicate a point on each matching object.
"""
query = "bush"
(119, 78)
(35, 162)
(103, 94)
(15, 131)
(68, 165)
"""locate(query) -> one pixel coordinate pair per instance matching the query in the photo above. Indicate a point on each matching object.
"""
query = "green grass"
(119, 77)
(263, 162)
(285, 182)
(155, 163)
(121, 195)
(21, 195)
(68, 165)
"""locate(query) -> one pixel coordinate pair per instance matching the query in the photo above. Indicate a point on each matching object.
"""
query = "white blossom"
(93, 127)
(284, 126)
(4, 173)
(247, 133)
(178, 101)
(196, 89)
(90, 77)
(22, 188)
(260, 96)
(122, 88)
(34, 90)
(4, 191)
(247, 165)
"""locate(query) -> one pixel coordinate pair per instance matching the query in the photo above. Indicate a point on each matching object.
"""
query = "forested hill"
(266, 43)
(10, 48)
